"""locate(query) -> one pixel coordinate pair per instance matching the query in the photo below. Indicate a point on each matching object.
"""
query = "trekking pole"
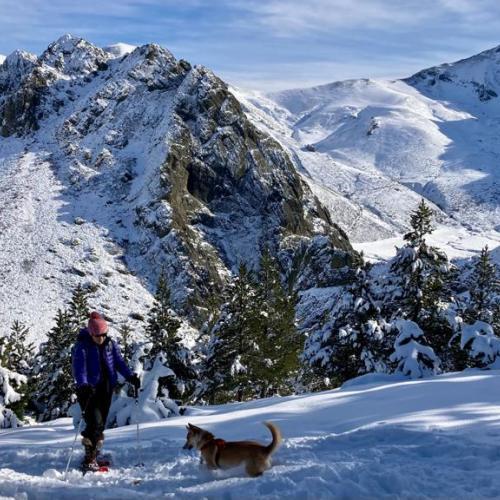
(140, 463)
(74, 442)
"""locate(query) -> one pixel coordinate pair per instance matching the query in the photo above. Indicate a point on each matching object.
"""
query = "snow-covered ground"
(376, 438)
(457, 241)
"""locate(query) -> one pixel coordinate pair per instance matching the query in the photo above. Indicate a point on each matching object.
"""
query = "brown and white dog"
(220, 454)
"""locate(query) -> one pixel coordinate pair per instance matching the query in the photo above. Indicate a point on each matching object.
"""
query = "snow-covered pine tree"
(484, 290)
(416, 264)
(78, 309)
(480, 311)
(276, 360)
(413, 356)
(18, 357)
(9, 383)
(357, 340)
(420, 283)
(232, 346)
(151, 405)
(163, 338)
(481, 343)
(126, 343)
(53, 369)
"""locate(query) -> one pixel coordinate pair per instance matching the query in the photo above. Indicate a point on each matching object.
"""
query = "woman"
(96, 362)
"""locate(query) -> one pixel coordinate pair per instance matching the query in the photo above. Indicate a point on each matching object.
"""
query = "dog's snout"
(187, 446)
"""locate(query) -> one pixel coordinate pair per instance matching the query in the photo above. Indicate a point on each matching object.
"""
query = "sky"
(269, 44)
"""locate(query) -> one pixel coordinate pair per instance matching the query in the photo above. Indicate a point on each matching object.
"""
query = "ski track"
(436, 438)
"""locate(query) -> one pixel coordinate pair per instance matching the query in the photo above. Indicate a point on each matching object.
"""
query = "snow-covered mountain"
(377, 437)
(2, 58)
(117, 163)
(370, 149)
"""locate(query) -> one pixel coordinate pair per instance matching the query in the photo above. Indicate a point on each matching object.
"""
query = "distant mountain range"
(371, 149)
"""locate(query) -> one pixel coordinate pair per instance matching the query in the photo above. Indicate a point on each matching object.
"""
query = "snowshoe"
(104, 460)
(93, 467)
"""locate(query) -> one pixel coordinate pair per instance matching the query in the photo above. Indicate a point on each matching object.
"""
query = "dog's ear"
(191, 426)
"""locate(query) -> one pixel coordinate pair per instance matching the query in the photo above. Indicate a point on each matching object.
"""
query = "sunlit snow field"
(379, 437)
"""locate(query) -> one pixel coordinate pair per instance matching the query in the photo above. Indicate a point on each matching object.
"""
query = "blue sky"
(269, 44)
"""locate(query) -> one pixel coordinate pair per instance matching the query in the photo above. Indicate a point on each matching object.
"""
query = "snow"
(2, 58)
(458, 243)
(378, 437)
(39, 266)
(370, 149)
(119, 49)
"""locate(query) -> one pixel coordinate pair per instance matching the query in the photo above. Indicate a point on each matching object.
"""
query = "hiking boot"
(99, 443)
(90, 453)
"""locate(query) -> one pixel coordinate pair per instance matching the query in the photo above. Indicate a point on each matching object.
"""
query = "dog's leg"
(209, 459)
(254, 469)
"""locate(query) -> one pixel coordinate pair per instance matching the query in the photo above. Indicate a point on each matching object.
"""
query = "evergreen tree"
(276, 360)
(232, 348)
(162, 333)
(484, 290)
(421, 277)
(414, 357)
(18, 350)
(10, 381)
(79, 308)
(126, 343)
(419, 268)
(356, 340)
(17, 356)
(54, 370)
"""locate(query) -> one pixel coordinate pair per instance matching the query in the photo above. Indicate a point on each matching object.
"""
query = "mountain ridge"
(155, 159)
(379, 146)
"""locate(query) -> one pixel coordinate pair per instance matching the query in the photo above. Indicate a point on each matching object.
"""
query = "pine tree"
(421, 277)
(126, 343)
(17, 356)
(276, 360)
(162, 332)
(414, 357)
(18, 350)
(54, 370)
(416, 265)
(232, 348)
(79, 308)
(356, 340)
(10, 381)
(484, 289)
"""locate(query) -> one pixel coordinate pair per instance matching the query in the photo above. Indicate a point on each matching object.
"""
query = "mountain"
(115, 164)
(370, 149)
(377, 437)
(2, 58)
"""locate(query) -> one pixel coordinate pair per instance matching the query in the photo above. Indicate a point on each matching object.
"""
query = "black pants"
(96, 413)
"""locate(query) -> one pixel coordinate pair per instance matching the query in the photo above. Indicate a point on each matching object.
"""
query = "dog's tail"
(270, 448)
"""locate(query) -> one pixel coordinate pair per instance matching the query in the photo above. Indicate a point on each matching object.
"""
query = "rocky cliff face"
(161, 155)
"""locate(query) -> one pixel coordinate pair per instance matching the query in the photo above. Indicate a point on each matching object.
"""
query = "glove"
(135, 381)
(84, 394)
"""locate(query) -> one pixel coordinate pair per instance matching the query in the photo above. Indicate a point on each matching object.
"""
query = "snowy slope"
(434, 438)
(2, 58)
(384, 144)
(119, 49)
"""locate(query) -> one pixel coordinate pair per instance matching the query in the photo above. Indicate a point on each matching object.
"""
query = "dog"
(220, 454)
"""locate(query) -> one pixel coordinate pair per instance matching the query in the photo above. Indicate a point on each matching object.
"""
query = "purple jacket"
(86, 363)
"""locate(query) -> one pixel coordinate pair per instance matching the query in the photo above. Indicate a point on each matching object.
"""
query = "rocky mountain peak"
(161, 157)
(478, 75)
(74, 56)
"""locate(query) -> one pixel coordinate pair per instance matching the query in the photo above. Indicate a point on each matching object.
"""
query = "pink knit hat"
(97, 324)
